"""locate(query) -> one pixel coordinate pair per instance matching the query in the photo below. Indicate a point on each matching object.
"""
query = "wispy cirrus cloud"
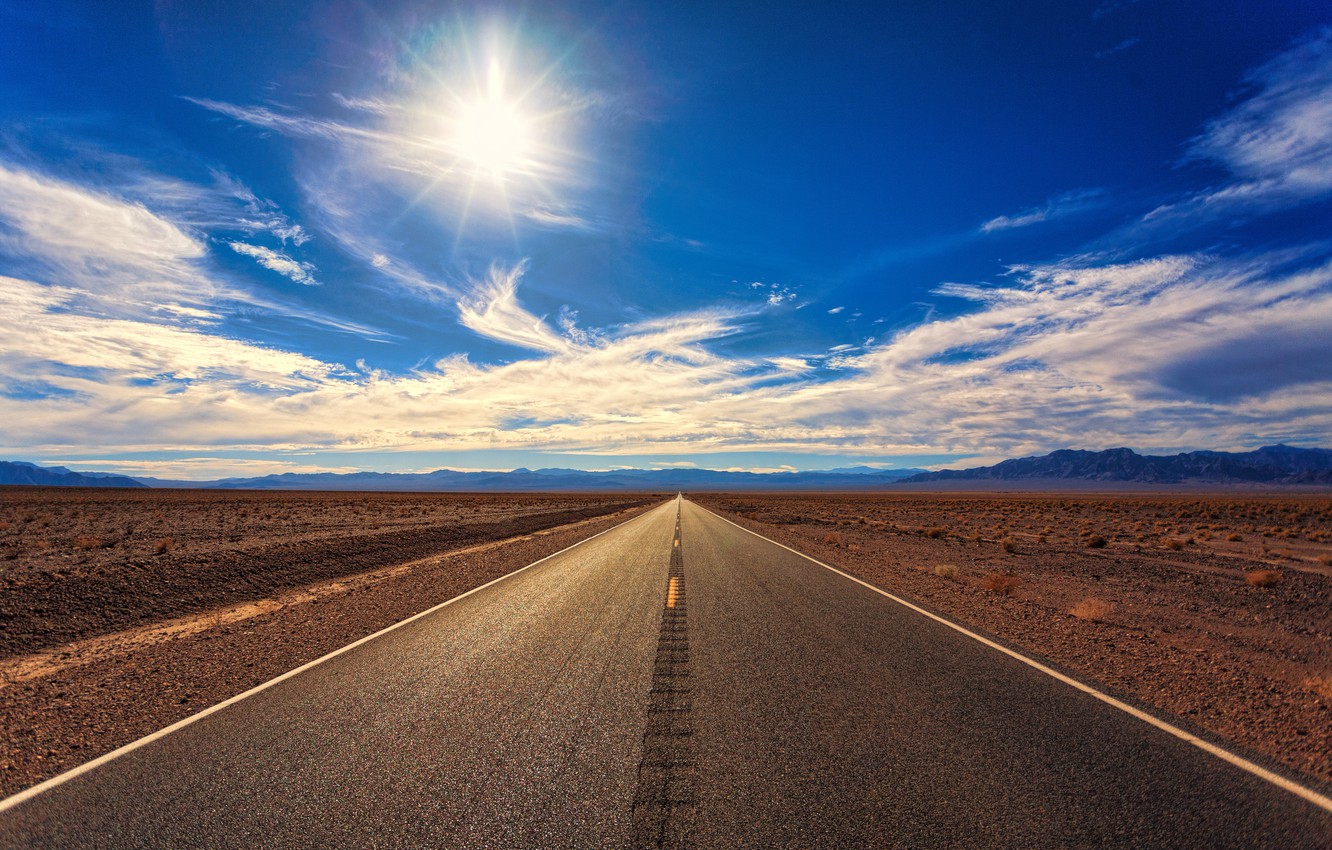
(1118, 48)
(1077, 353)
(1276, 143)
(119, 256)
(1104, 354)
(379, 169)
(301, 272)
(115, 256)
(199, 468)
(493, 311)
(1061, 206)
(411, 141)
(260, 214)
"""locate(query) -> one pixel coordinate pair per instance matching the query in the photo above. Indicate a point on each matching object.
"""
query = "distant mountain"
(1268, 465)
(870, 470)
(528, 480)
(18, 472)
(448, 480)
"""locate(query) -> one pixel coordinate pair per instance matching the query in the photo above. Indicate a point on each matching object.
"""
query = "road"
(668, 686)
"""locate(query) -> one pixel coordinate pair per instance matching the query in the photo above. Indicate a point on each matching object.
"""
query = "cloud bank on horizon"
(451, 233)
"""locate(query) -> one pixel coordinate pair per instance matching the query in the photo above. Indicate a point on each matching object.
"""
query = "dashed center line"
(664, 804)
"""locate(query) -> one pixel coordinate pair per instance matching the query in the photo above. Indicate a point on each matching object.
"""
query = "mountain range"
(1278, 465)
(519, 480)
(1268, 465)
(19, 472)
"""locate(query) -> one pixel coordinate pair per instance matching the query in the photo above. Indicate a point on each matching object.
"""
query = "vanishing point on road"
(676, 681)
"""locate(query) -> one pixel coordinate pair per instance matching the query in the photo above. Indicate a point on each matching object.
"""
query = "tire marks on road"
(665, 800)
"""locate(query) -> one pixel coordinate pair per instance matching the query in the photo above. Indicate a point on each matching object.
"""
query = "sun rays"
(491, 132)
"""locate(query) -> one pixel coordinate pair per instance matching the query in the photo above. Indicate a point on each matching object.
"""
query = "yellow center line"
(672, 593)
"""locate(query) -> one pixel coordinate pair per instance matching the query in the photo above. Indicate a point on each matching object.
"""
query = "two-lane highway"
(650, 687)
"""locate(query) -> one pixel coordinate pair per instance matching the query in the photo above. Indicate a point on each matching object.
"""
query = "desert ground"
(122, 611)
(1216, 609)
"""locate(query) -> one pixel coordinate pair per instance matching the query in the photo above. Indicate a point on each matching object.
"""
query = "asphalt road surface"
(667, 685)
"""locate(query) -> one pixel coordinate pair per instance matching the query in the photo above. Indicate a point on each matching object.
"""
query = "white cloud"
(117, 251)
(835, 310)
(791, 364)
(493, 311)
(293, 232)
(257, 215)
(44, 328)
(1066, 204)
(404, 142)
(777, 294)
(1121, 46)
(114, 256)
(298, 271)
(1276, 144)
(1176, 351)
(1172, 351)
(557, 217)
(1065, 355)
(198, 468)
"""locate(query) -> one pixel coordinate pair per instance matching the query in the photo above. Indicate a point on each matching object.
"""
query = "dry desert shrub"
(1174, 544)
(1235, 538)
(1009, 543)
(1096, 541)
(1001, 583)
(1325, 560)
(834, 538)
(936, 533)
(164, 545)
(1262, 578)
(947, 571)
(1321, 685)
(1093, 608)
(87, 541)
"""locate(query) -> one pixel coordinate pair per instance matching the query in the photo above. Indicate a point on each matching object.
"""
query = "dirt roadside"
(77, 563)
(1146, 596)
(65, 705)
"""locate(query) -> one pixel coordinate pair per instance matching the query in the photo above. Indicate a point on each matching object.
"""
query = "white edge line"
(60, 779)
(1239, 761)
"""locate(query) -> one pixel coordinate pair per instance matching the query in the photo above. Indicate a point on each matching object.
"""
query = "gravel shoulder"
(1126, 591)
(62, 704)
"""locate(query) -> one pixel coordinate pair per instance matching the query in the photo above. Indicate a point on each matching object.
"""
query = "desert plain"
(123, 611)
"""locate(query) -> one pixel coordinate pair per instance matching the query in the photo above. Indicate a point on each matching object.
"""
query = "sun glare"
(491, 132)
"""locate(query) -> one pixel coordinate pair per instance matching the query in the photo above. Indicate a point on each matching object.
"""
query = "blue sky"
(242, 237)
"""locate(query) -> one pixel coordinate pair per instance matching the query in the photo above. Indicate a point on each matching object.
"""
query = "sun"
(490, 132)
